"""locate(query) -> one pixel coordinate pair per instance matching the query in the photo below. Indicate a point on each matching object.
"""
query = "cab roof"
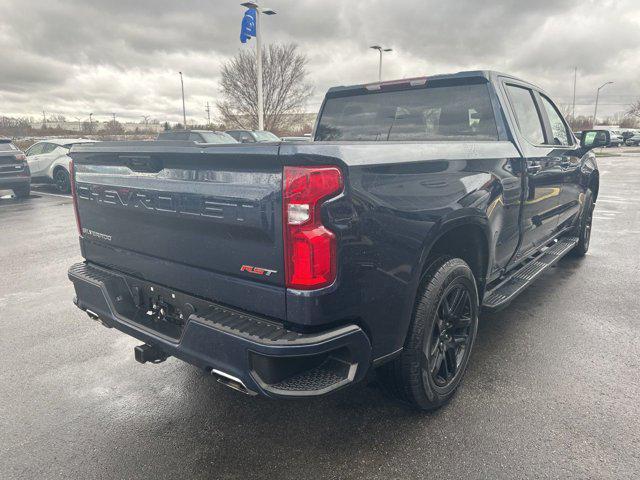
(488, 75)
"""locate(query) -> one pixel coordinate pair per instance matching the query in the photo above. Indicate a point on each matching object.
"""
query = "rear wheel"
(22, 192)
(583, 230)
(61, 180)
(440, 337)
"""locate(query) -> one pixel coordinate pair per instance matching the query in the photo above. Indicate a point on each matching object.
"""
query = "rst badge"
(257, 270)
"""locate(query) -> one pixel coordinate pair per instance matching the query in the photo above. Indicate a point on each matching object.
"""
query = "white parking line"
(38, 192)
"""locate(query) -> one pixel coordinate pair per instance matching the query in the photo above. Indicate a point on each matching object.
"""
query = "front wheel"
(62, 180)
(583, 230)
(440, 337)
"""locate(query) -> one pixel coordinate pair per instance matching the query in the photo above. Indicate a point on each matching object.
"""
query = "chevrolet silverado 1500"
(294, 269)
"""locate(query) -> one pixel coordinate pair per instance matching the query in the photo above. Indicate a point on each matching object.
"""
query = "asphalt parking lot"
(553, 388)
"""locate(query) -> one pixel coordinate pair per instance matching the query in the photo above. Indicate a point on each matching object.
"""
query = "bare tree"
(285, 89)
(630, 122)
(634, 110)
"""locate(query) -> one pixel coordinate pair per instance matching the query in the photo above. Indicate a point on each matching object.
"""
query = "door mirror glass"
(594, 138)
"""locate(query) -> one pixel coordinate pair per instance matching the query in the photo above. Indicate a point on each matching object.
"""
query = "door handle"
(534, 168)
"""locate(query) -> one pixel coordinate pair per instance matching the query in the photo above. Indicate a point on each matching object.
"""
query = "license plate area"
(161, 309)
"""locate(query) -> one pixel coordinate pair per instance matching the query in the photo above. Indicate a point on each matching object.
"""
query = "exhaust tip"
(232, 382)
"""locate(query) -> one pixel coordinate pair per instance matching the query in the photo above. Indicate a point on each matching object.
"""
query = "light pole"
(573, 108)
(267, 11)
(380, 50)
(184, 112)
(595, 112)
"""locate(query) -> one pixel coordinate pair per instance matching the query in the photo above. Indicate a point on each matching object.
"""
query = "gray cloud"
(74, 57)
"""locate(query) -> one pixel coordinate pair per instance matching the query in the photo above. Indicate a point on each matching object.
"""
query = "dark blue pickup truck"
(294, 269)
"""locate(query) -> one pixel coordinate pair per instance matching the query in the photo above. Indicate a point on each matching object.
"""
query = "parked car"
(14, 171)
(197, 136)
(616, 138)
(253, 136)
(293, 270)
(49, 161)
(633, 141)
(626, 134)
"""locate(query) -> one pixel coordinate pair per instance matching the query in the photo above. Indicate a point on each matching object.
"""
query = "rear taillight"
(20, 157)
(74, 194)
(310, 248)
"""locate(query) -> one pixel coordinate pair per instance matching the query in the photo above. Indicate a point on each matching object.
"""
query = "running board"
(509, 288)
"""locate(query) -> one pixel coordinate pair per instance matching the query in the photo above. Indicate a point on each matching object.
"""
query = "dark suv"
(14, 171)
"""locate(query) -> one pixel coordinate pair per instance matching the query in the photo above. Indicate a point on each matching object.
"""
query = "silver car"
(48, 161)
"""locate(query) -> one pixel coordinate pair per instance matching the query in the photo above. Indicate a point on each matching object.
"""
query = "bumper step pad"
(519, 279)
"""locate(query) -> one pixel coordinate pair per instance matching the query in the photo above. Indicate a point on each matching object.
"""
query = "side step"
(509, 288)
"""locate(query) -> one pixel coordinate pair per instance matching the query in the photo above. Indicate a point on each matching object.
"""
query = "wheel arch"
(59, 163)
(466, 237)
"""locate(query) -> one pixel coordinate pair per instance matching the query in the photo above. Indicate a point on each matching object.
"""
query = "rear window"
(7, 147)
(443, 113)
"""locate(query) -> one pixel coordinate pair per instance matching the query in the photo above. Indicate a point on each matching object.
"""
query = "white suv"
(48, 160)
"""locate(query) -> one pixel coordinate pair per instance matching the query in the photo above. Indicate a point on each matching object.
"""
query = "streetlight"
(267, 11)
(380, 49)
(597, 96)
(184, 112)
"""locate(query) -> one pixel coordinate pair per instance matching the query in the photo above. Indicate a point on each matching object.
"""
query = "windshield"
(217, 137)
(460, 112)
(262, 136)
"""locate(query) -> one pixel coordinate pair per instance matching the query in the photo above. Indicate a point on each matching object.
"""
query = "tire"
(22, 192)
(583, 230)
(421, 375)
(62, 180)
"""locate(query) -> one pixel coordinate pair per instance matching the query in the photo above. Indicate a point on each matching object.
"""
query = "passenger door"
(567, 153)
(34, 158)
(542, 172)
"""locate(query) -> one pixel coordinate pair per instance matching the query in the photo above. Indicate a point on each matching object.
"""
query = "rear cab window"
(526, 112)
(434, 112)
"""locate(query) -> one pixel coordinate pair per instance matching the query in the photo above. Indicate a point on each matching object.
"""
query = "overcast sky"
(73, 57)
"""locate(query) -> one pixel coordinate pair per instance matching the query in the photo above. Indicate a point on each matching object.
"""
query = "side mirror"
(594, 139)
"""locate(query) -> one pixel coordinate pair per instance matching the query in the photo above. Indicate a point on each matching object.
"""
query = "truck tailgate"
(207, 216)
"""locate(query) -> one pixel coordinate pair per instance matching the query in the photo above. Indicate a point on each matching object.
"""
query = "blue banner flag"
(248, 28)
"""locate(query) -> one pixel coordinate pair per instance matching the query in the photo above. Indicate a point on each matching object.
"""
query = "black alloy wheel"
(440, 339)
(62, 181)
(450, 335)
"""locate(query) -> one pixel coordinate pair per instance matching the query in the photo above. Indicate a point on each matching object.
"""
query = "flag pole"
(259, 71)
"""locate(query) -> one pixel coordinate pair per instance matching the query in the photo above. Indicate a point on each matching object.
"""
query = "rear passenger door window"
(526, 113)
(559, 128)
(48, 147)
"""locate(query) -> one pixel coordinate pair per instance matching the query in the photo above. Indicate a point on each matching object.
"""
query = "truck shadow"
(360, 425)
